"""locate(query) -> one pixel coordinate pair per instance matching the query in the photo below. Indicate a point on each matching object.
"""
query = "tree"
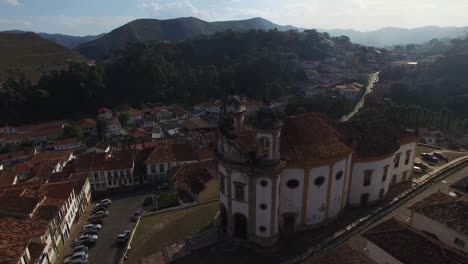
(72, 131)
(124, 118)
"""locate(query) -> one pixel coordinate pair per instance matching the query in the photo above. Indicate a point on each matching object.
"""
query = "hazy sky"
(81, 17)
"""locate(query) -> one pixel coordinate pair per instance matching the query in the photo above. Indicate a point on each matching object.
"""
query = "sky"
(89, 17)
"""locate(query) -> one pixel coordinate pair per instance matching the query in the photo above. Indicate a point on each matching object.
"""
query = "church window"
(263, 183)
(292, 184)
(262, 229)
(367, 177)
(339, 175)
(239, 194)
(407, 157)
(264, 148)
(222, 183)
(263, 206)
(385, 172)
(319, 181)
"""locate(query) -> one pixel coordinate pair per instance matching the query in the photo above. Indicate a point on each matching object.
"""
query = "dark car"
(89, 243)
(440, 156)
(95, 222)
(123, 236)
(430, 158)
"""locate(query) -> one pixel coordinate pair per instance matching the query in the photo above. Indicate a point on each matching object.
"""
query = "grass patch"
(157, 231)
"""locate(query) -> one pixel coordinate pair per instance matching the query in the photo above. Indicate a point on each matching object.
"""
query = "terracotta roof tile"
(65, 141)
(58, 190)
(87, 123)
(343, 254)
(410, 246)
(183, 151)
(444, 209)
(7, 178)
(310, 136)
(162, 153)
(461, 185)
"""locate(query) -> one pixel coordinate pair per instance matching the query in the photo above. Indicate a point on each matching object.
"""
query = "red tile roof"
(411, 246)
(16, 235)
(343, 254)
(87, 123)
(49, 156)
(445, 209)
(58, 190)
(196, 123)
(195, 175)
(7, 178)
(22, 167)
(310, 137)
(117, 160)
(162, 153)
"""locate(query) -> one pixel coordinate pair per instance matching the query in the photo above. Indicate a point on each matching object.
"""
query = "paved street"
(123, 206)
(373, 78)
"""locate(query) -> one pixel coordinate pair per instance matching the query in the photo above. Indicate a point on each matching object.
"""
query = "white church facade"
(277, 177)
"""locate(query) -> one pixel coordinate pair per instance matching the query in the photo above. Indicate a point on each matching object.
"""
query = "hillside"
(31, 54)
(69, 41)
(399, 36)
(171, 29)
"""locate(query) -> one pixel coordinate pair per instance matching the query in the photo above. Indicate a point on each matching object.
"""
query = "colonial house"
(430, 136)
(108, 170)
(351, 92)
(36, 220)
(395, 242)
(444, 218)
(157, 133)
(114, 128)
(11, 158)
(460, 188)
(135, 116)
(281, 177)
(88, 126)
(161, 114)
(167, 155)
(181, 114)
(147, 122)
(207, 109)
(67, 144)
(100, 147)
(39, 133)
(8, 178)
(195, 179)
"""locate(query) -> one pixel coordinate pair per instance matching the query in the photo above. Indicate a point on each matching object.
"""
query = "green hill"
(167, 30)
(31, 54)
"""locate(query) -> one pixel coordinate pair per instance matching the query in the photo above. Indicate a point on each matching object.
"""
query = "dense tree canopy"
(253, 63)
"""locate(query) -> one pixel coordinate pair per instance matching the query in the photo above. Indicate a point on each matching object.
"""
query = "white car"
(123, 237)
(417, 169)
(80, 248)
(92, 226)
(104, 202)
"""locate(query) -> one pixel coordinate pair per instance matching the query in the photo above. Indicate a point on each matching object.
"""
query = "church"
(280, 177)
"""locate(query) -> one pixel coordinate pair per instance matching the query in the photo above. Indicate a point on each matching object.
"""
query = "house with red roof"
(88, 126)
(105, 113)
(111, 170)
(161, 114)
(67, 144)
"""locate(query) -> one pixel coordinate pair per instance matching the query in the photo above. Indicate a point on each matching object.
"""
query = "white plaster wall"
(348, 174)
(379, 255)
(402, 167)
(444, 233)
(336, 194)
(263, 196)
(317, 196)
(240, 206)
(290, 200)
(223, 197)
(357, 185)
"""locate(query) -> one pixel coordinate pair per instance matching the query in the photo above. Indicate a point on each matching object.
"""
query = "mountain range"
(392, 36)
(168, 30)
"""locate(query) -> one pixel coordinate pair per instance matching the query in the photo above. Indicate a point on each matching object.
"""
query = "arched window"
(292, 184)
(339, 175)
(319, 181)
(264, 147)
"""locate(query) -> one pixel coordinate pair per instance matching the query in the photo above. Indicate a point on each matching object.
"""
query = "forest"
(433, 95)
(252, 63)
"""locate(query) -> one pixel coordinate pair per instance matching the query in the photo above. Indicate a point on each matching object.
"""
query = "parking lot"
(106, 249)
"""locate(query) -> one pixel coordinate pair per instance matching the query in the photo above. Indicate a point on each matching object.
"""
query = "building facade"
(277, 177)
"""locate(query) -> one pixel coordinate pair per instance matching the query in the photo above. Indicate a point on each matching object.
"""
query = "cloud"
(11, 2)
(15, 23)
(172, 9)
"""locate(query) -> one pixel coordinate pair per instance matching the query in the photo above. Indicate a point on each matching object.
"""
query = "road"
(123, 206)
(373, 78)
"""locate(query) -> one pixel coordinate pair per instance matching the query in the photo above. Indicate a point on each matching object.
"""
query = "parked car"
(419, 164)
(90, 232)
(80, 248)
(95, 221)
(440, 156)
(417, 169)
(100, 208)
(79, 261)
(105, 202)
(79, 255)
(123, 237)
(135, 215)
(99, 215)
(86, 242)
(90, 226)
(428, 157)
(85, 237)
